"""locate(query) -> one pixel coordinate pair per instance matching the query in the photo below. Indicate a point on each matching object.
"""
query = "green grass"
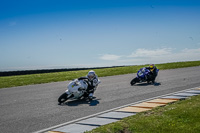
(179, 117)
(21, 80)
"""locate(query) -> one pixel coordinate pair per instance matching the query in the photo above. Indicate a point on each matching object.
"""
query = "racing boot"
(90, 97)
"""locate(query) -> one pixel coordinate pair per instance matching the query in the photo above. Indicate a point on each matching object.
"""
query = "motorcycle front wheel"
(62, 98)
(135, 80)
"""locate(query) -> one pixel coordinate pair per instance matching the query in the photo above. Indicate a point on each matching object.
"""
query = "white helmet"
(91, 75)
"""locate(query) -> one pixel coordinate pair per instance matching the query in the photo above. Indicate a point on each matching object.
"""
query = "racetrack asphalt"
(31, 108)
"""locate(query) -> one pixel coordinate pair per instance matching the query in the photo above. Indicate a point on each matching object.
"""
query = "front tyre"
(62, 98)
(135, 80)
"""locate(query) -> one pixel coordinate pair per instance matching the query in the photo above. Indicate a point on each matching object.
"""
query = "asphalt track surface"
(34, 107)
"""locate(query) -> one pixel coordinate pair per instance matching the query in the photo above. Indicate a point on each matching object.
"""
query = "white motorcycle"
(75, 90)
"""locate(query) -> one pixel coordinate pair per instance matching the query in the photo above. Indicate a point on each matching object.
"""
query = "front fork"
(69, 95)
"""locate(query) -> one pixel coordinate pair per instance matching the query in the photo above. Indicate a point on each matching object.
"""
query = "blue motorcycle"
(143, 75)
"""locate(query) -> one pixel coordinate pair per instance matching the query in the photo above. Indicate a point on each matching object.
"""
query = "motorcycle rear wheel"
(62, 98)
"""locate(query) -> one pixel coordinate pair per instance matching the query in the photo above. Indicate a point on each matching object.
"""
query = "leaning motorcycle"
(143, 75)
(75, 90)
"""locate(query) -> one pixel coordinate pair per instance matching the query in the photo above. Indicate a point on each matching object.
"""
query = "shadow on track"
(146, 84)
(93, 102)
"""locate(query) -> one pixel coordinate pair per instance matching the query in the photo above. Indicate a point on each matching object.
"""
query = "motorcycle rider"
(92, 79)
(153, 73)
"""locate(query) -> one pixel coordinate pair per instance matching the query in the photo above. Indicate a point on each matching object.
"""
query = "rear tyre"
(62, 98)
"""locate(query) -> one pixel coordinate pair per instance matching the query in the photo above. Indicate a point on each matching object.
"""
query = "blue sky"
(44, 34)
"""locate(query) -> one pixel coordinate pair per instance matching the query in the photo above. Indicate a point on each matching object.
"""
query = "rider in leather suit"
(153, 73)
(92, 79)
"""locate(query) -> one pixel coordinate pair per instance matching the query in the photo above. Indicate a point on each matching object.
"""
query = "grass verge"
(179, 117)
(21, 80)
